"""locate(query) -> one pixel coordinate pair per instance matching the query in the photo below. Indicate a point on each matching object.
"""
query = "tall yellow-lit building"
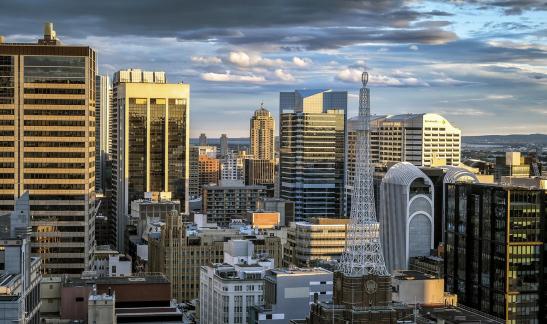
(47, 146)
(151, 141)
(262, 135)
(260, 169)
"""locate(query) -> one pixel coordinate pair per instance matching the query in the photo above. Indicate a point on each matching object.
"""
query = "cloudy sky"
(480, 63)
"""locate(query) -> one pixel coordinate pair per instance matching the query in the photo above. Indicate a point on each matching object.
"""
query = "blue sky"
(481, 64)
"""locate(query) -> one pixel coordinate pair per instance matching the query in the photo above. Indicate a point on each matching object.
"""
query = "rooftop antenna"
(363, 252)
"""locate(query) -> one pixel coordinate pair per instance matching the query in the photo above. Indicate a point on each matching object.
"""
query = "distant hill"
(538, 139)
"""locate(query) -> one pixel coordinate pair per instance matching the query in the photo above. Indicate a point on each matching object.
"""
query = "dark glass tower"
(312, 161)
(495, 249)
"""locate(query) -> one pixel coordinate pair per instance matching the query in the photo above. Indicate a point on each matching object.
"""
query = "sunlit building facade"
(152, 145)
(47, 147)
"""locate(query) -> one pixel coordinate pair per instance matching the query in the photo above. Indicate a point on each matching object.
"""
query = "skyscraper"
(47, 111)
(312, 160)
(262, 135)
(223, 145)
(260, 169)
(202, 139)
(152, 141)
(495, 250)
(102, 130)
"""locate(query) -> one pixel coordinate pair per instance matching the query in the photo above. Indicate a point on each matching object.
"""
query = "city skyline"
(482, 66)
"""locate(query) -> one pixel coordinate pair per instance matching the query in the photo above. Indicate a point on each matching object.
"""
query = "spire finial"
(364, 78)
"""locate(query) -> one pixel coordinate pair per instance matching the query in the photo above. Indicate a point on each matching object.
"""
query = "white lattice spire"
(363, 253)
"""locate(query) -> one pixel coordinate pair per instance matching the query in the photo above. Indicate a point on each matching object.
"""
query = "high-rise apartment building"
(230, 199)
(262, 135)
(151, 141)
(102, 130)
(260, 168)
(223, 145)
(494, 257)
(47, 112)
(312, 161)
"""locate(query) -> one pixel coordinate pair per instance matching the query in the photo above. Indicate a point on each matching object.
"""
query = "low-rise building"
(417, 288)
(288, 294)
(285, 208)
(320, 239)
(229, 290)
(179, 255)
(19, 272)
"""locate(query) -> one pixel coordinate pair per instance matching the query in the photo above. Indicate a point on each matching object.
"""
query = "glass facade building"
(151, 145)
(47, 147)
(312, 161)
(495, 250)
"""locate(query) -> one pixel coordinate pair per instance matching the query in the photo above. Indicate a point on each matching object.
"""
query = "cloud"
(284, 76)
(472, 112)
(228, 77)
(413, 47)
(206, 59)
(243, 59)
(509, 7)
(397, 79)
(301, 62)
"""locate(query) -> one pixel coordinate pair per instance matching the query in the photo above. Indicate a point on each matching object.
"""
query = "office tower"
(209, 171)
(421, 139)
(179, 256)
(151, 141)
(494, 257)
(406, 215)
(288, 294)
(229, 290)
(262, 135)
(102, 129)
(305, 248)
(312, 152)
(20, 273)
(229, 199)
(202, 139)
(223, 145)
(193, 180)
(48, 146)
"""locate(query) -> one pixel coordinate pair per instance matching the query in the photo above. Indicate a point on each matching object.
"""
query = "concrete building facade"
(406, 215)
